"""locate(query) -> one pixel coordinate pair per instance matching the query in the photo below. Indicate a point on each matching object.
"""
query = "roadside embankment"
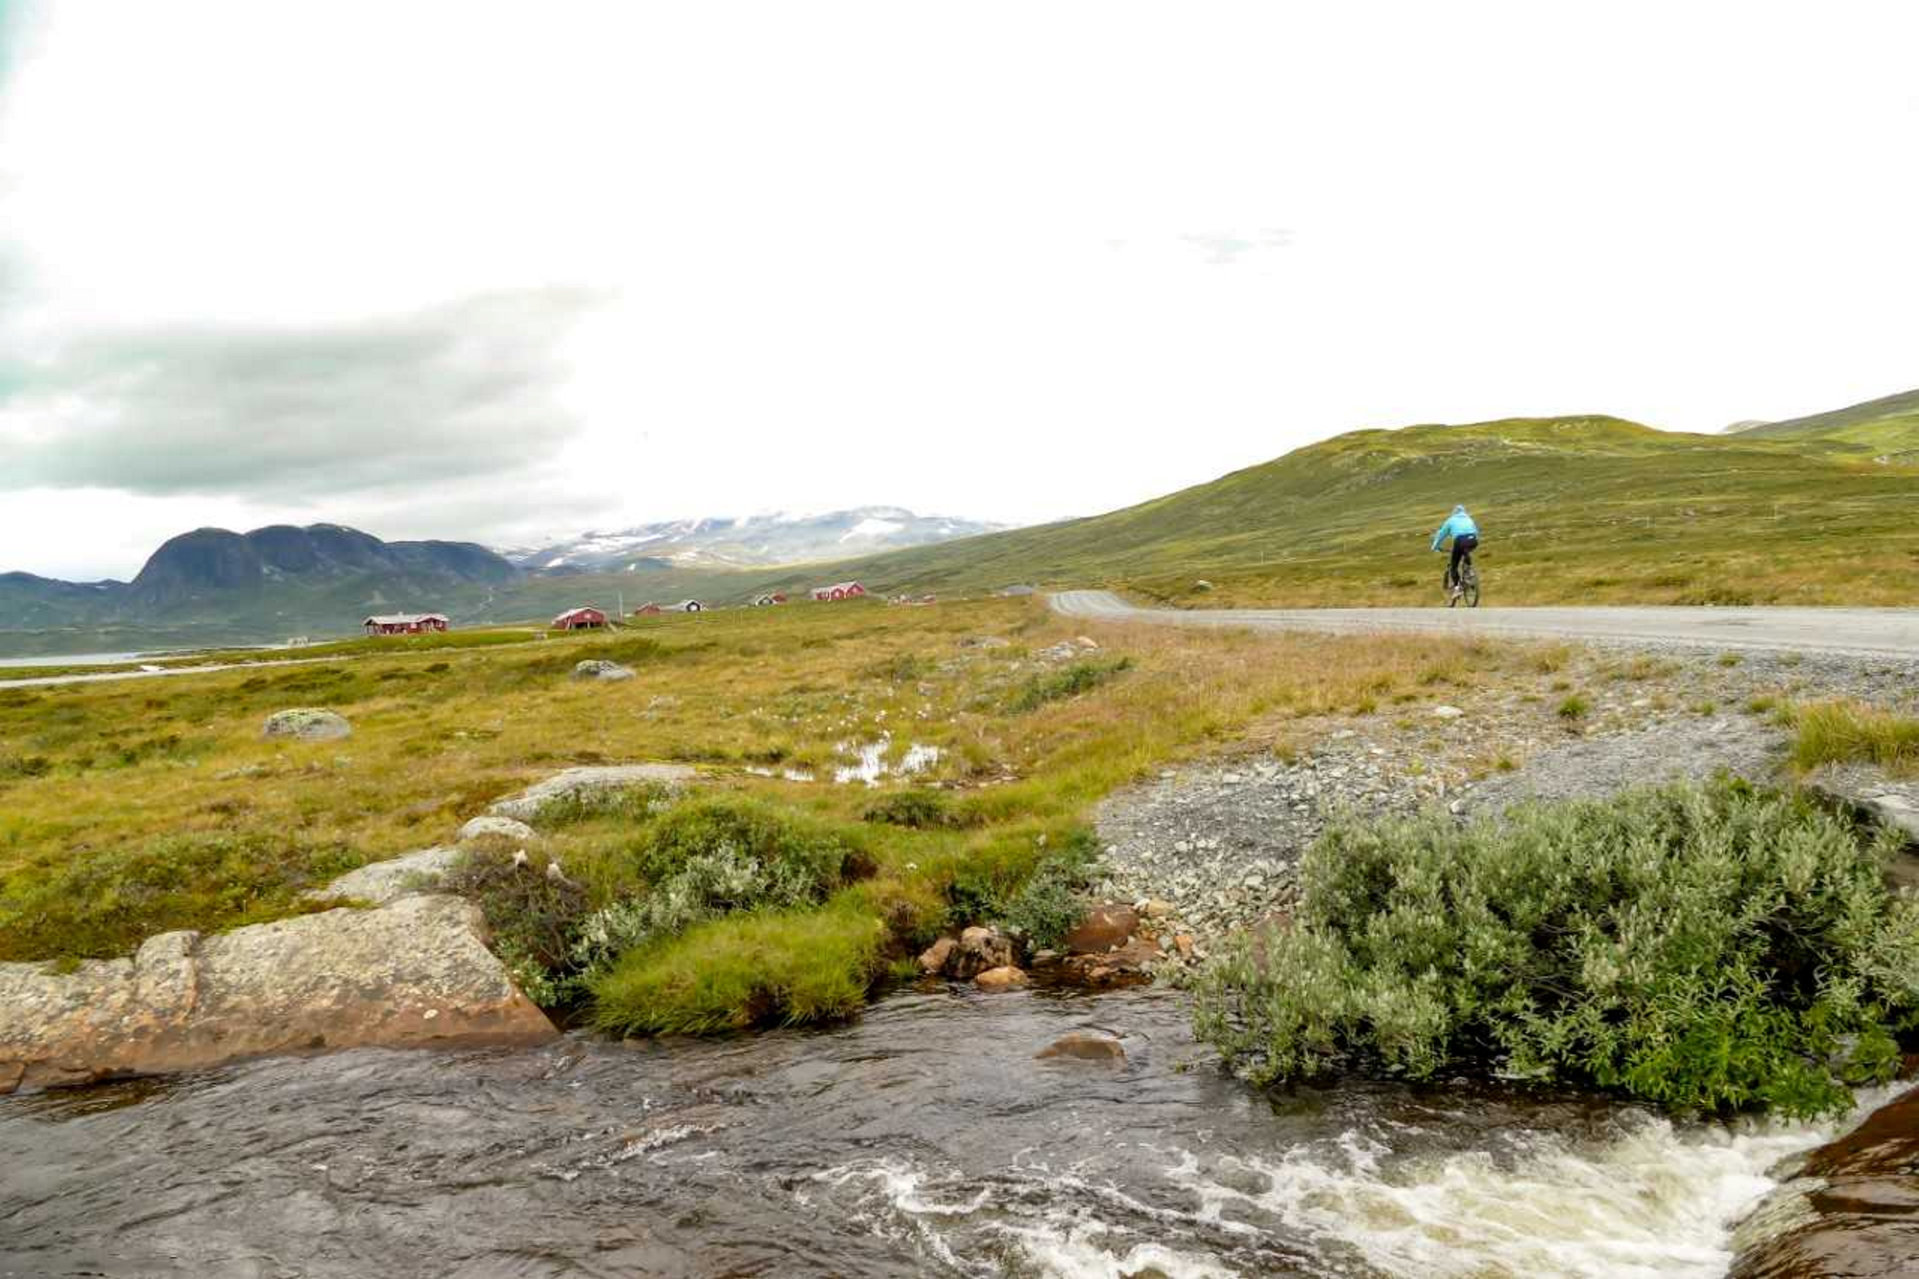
(1220, 838)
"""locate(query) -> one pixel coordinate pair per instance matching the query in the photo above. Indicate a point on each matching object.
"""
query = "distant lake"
(76, 659)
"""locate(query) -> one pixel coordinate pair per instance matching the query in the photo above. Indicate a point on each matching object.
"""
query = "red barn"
(404, 623)
(647, 610)
(839, 591)
(587, 618)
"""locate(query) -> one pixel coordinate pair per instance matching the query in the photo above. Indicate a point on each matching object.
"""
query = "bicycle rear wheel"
(1469, 584)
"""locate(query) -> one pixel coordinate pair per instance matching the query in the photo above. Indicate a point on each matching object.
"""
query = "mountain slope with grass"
(1888, 426)
(1573, 510)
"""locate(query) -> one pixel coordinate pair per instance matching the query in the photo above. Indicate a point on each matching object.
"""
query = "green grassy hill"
(1887, 427)
(1575, 509)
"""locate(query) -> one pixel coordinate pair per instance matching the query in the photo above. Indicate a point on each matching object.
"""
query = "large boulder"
(411, 974)
(1850, 1208)
(307, 724)
(601, 669)
(575, 781)
(382, 882)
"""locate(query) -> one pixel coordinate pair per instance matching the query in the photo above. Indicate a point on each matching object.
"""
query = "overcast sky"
(490, 271)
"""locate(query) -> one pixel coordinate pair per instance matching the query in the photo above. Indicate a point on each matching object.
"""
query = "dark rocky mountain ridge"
(209, 563)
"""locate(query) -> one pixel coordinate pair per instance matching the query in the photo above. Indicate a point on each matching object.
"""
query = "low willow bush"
(1039, 901)
(1707, 949)
(1071, 681)
(534, 917)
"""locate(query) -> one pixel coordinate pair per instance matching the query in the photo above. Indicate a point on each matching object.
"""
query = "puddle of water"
(788, 774)
(870, 766)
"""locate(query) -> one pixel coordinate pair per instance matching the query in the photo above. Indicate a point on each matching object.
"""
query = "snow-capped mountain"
(747, 541)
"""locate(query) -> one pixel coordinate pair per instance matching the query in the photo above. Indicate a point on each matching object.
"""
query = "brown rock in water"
(1000, 979)
(980, 950)
(1103, 928)
(413, 973)
(1129, 965)
(1086, 1046)
(1852, 1209)
(933, 958)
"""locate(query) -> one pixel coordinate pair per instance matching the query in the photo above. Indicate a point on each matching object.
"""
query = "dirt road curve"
(1855, 632)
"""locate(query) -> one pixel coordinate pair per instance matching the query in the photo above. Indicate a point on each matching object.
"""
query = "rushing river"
(923, 1139)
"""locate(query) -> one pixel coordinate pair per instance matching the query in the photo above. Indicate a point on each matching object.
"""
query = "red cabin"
(587, 618)
(404, 623)
(839, 591)
(647, 610)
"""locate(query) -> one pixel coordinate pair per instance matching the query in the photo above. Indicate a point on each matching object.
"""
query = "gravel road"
(1851, 632)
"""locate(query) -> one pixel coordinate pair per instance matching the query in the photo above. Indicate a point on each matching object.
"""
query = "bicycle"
(1465, 586)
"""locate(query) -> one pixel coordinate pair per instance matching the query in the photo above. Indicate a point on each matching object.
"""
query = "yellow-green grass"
(740, 970)
(1846, 732)
(131, 808)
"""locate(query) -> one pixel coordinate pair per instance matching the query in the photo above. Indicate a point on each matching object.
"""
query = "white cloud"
(867, 252)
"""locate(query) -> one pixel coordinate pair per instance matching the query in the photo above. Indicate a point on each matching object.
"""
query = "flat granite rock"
(1869, 792)
(501, 827)
(1880, 800)
(382, 882)
(414, 973)
(574, 781)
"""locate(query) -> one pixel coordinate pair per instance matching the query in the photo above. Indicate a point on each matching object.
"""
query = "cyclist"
(1465, 534)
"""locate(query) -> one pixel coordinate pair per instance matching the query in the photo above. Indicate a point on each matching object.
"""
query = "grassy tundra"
(130, 808)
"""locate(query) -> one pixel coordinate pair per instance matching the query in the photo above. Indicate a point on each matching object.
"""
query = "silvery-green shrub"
(1706, 948)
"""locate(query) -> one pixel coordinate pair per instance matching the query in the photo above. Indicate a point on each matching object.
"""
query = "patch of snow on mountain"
(870, 527)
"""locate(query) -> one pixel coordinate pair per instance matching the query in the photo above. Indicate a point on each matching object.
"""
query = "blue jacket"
(1458, 524)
